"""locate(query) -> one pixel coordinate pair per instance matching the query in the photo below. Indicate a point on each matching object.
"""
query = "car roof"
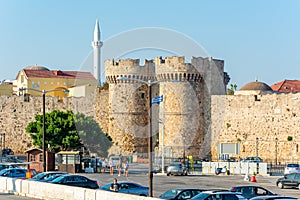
(272, 197)
(237, 186)
(220, 192)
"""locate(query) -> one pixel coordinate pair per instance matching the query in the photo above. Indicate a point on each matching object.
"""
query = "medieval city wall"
(259, 124)
(16, 113)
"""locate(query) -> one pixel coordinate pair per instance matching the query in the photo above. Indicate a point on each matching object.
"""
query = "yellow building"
(53, 82)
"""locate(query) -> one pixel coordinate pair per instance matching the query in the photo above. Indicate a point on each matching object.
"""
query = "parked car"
(51, 178)
(208, 195)
(176, 169)
(11, 159)
(76, 180)
(292, 168)
(180, 193)
(7, 151)
(14, 172)
(289, 180)
(129, 188)
(254, 159)
(272, 198)
(250, 191)
(7, 165)
(44, 175)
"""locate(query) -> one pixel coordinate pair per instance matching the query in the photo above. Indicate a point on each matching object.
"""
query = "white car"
(207, 195)
(292, 168)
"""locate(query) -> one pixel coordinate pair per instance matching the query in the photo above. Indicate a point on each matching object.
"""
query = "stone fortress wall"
(16, 113)
(270, 118)
(186, 88)
(123, 111)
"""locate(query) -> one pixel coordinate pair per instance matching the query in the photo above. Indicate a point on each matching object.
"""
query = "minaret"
(97, 44)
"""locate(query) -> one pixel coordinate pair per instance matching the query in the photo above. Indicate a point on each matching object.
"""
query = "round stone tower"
(128, 103)
(182, 88)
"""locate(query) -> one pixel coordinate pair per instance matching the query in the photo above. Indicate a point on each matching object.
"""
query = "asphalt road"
(162, 183)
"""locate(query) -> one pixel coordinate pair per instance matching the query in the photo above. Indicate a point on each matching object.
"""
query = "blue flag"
(157, 99)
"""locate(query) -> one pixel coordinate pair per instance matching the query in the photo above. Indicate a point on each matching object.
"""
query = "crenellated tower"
(184, 112)
(182, 87)
(128, 103)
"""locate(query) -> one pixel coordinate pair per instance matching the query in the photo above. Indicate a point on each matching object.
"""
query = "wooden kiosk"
(69, 161)
(35, 157)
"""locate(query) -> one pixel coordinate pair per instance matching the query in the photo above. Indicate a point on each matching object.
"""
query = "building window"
(22, 79)
(41, 157)
(45, 83)
(32, 157)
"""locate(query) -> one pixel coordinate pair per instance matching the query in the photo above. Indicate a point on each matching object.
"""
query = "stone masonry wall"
(270, 118)
(15, 114)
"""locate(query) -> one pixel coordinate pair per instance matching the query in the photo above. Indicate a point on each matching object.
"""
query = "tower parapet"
(129, 68)
(175, 68)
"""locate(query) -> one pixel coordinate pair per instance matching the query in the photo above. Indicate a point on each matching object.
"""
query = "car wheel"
(168, 174)
(280, 185)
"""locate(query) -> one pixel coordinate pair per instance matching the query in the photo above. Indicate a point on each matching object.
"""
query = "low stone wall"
(50, 191)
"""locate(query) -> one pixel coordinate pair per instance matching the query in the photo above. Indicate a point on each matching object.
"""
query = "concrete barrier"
(50, 191)
(235, 167)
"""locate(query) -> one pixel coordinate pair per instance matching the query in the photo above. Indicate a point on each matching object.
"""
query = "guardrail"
(50, 191)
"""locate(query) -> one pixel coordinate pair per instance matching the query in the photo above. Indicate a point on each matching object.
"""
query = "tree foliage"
(68, 131)
(232, 89)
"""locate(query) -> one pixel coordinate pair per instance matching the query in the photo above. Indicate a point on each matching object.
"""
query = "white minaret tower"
(97, 44)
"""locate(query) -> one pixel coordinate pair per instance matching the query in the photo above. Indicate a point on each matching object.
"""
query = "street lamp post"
(276, 150)
(149, 83)
(44, 114)
(257, 165)
(256, 147)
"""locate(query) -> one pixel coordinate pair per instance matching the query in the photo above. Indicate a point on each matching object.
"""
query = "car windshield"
(50, 178)
(200, 196)
(170, 193)
(38, 176)
(3, 171)
(293, 165)
(58, 179)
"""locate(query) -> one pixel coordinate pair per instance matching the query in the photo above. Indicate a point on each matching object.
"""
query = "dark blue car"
(129, 188)
(13, 172)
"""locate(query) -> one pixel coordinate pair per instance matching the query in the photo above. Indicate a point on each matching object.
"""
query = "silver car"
(292, 168)
(177, 169)
(208, 195)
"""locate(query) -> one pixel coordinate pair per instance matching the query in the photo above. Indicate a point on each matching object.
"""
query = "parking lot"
(162, 183)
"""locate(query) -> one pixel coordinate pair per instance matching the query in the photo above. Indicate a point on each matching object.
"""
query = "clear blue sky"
(257, 39)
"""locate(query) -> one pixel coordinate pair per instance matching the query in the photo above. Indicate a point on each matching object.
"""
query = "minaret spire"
(97, 44)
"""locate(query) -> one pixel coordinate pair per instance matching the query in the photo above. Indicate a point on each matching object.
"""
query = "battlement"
(126, 63)
(130, 68)
(167, 68)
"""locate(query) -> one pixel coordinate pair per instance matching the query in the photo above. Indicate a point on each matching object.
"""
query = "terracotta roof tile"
(287, 86)
(58, 74)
